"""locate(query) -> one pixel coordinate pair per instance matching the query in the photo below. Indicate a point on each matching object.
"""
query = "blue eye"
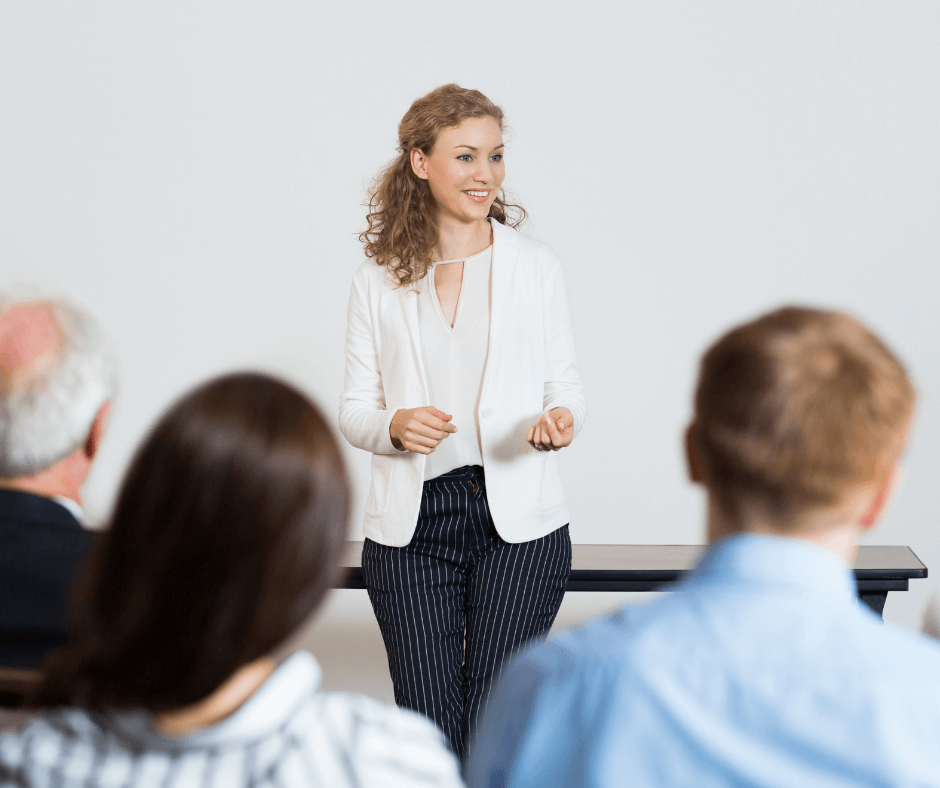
(465, 157)
(496, 157)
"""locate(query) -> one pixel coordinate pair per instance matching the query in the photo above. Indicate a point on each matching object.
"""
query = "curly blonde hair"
(402, 214)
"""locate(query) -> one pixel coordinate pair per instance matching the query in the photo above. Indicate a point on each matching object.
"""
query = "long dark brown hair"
(402, 214)
(227, 533)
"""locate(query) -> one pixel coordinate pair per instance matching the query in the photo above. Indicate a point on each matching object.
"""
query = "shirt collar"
(74, 509)
(778, 560)
(263, 713)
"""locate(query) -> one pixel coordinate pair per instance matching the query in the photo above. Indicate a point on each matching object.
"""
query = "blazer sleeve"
(363, 418)
(563, 387)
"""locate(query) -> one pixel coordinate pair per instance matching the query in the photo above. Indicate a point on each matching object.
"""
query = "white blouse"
(454, 359)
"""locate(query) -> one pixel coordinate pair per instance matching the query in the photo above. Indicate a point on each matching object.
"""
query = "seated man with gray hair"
(57, 378)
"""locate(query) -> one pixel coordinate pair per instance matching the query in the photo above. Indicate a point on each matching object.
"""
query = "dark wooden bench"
(632, 567)
(616, 567)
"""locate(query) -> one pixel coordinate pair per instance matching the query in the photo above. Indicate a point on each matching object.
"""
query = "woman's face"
(464, 169)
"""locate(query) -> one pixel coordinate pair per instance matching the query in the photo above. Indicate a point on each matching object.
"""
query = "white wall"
(194, 172)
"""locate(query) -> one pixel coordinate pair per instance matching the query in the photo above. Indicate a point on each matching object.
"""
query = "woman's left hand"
(553, 431)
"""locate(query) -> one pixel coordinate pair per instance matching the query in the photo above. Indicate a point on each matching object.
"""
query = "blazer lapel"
(504, 259)
(408, 299)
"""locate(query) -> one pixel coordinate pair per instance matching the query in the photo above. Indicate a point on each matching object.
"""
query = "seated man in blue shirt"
(762, 668)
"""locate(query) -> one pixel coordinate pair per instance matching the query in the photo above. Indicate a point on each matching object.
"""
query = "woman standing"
(461, 380)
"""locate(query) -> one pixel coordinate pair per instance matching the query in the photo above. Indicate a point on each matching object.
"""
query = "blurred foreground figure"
(931, 624)
(227, 534)
(762, 668)
(57, 378)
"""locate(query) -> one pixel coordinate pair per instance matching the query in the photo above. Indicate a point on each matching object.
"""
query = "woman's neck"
(226, 700)
(457, 240)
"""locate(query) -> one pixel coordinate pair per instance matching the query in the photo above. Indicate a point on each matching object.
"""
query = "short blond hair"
(798, 407)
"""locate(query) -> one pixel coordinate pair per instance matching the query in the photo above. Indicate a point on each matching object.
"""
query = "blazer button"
(487, 412)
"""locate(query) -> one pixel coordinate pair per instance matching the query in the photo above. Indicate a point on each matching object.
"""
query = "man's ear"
(882, 497)
(419, 164)
(693, 457)
(97, 430)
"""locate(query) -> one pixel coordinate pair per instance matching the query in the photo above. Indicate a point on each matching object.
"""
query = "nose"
(485, 173)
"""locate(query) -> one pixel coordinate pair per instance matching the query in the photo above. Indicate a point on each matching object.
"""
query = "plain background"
(195, 172)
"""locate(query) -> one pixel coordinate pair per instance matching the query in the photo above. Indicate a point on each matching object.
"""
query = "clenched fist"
(420, 429)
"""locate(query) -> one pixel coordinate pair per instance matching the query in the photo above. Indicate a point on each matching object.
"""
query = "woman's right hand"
(420, 429)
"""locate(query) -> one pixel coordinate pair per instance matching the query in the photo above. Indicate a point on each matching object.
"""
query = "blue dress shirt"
(762, 668)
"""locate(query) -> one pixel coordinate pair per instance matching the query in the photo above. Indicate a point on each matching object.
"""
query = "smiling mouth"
(477, 194)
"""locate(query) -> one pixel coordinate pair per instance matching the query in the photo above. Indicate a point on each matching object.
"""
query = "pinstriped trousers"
(457, 599)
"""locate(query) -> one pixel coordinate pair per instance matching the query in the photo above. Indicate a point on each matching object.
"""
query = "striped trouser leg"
(417, 594)
(513, 595)
(455, 600)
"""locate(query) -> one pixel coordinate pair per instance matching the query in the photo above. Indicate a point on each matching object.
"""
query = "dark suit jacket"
(42, 547)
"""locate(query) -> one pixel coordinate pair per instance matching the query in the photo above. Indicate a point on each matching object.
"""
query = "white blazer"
(530, 368)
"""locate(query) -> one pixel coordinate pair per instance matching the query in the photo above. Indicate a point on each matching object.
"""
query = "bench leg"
(876, 601)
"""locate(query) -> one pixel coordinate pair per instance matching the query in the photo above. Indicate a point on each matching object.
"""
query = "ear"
(882, 497)
(693, 457)
(97, 430)
(419, 164)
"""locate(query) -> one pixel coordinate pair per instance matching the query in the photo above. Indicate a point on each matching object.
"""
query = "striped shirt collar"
(264, 712)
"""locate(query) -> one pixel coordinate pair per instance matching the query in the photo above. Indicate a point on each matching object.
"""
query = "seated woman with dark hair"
(227, 534)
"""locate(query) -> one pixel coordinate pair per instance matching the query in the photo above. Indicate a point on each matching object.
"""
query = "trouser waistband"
(464, 472)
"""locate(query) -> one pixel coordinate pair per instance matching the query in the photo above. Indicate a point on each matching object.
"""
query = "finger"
(422, 434)
(554, 436)
(426, 437)
(423, 447)
(429, 419)
(438, 414)
(548, 426)
(425, 421)
(540, 437)
(562, 417)
(560, 437)
(428, 431)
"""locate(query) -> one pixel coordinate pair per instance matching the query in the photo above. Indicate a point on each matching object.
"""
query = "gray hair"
(48, 415)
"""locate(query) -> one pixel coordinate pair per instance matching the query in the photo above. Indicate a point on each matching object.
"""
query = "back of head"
(56, 371)
(227, 533)
(796, 409)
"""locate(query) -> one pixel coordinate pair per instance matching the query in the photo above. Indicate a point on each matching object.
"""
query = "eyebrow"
(470, 147)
